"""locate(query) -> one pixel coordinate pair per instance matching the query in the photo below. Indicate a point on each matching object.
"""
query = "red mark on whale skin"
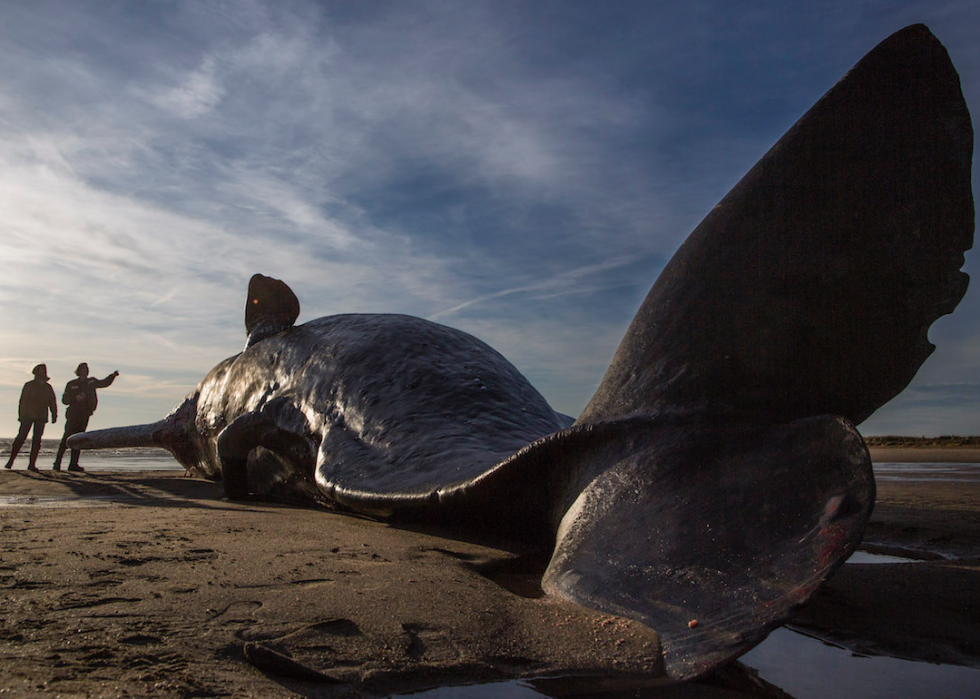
(832, 535)
(829, 543)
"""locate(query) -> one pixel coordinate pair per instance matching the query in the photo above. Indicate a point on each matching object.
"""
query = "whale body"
(716, 477)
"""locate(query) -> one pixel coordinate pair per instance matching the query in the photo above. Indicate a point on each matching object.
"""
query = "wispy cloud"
(196, 96)
(520, 171)
(564, 283)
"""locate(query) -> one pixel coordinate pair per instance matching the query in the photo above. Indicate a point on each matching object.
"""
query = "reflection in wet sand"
(807, 668)
(800, 666)
(952, 472)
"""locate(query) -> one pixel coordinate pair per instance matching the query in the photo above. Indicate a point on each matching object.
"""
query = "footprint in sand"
(236, 611)
(429, 643)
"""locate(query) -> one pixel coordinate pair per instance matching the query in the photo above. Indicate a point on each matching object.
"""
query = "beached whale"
(716, 477)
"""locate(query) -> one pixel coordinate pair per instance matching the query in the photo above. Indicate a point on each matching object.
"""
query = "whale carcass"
(716, 477)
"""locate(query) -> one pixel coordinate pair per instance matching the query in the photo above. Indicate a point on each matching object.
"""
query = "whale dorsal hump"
(270, 308)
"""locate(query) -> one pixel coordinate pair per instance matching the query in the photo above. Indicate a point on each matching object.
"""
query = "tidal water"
(912, 471)
(151, 459)
(808, 668)
(801, 666)
(132, 459)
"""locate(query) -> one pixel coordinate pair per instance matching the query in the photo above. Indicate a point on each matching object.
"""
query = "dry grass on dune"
(929, 442)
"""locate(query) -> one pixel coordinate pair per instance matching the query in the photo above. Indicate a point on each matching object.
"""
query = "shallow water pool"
(864, 558)
(802, 666)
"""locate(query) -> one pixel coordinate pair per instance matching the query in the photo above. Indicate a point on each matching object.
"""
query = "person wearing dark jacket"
(81, 399)
(36, 400)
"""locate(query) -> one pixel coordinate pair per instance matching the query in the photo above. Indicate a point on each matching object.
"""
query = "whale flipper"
(269, 451)
(810, 288)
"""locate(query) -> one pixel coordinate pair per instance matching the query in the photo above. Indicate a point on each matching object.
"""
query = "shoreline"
(158, 458)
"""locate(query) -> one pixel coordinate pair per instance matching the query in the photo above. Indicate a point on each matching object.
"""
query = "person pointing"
(81, 399)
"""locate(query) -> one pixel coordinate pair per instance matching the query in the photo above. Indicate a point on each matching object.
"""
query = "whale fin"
(810, 288)
(270, 308)
(269, 452)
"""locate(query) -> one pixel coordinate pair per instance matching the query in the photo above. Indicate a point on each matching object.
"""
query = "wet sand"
(149, 584)
(929, 610)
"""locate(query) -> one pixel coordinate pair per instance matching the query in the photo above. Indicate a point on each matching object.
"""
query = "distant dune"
(946, 441)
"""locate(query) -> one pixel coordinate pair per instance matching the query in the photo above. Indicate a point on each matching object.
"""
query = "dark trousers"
(25, 427)
(73, 425)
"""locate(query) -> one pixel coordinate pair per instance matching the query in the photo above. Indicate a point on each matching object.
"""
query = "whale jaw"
(176, 433)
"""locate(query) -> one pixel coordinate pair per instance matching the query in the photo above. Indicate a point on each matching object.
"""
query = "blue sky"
(519, 170)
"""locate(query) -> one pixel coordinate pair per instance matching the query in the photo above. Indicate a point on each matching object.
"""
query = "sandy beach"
(150, 584)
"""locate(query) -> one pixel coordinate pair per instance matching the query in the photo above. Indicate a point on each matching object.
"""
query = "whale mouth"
(175, 433)
(119, 437)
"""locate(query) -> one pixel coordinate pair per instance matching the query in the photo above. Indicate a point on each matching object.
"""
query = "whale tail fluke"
(712, 534)
(799, 306)
(810, 288)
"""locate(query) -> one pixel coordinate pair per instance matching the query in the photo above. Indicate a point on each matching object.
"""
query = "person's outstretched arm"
(102, 383)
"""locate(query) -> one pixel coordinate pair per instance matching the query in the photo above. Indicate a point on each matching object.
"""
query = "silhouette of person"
(36, 400)
(81, 399)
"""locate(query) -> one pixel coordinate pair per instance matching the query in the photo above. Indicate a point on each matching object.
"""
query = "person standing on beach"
(81, 399)
(36, 400)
